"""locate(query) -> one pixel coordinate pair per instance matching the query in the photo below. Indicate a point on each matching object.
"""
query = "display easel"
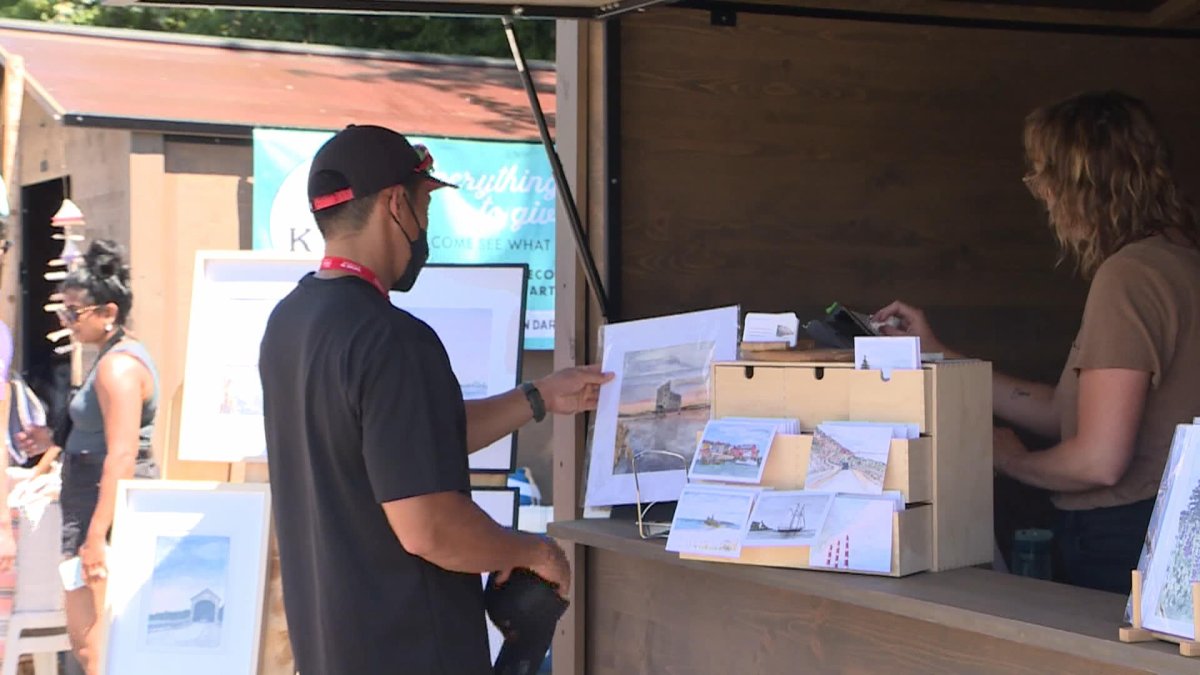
(275, 651)
(1136, 633)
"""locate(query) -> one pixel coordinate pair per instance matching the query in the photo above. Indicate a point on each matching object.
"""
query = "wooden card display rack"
(945, 475)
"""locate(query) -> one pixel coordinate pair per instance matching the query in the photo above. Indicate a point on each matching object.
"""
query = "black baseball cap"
(361, 160)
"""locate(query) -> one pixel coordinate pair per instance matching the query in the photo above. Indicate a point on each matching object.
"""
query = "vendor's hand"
(912, 323)
(8, 549)
(35, 441)
(572, 390)
(1006, 449)
(92, 557)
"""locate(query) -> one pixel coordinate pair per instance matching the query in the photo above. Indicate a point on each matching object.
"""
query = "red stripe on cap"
(326, 201)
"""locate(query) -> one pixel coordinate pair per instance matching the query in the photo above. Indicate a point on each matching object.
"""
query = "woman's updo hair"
(104, 277)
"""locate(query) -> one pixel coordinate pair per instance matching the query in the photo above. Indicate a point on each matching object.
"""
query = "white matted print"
(788, 518)
(233, 294)
(188, 570)
(848, 458)
(476, 310)
(857, 535)
(1173, 561)
(711, 520)
(501, 504)
(733, 451)
(657, 404)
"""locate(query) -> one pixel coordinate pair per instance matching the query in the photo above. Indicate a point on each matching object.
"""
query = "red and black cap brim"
(423, 168)
(438, 183)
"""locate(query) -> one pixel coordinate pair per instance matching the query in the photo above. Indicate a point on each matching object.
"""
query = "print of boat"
(794, 527)
(796, 523)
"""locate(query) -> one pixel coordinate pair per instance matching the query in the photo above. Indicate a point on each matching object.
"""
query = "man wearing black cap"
(380, 545)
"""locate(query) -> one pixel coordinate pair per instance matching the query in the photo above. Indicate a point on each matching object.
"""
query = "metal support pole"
(560, 176)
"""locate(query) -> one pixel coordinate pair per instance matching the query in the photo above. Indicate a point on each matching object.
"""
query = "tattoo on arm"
(1018, 392)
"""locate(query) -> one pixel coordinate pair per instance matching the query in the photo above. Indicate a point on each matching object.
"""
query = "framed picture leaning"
(187, 578)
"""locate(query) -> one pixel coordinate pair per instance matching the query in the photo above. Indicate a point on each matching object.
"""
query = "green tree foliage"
(443, 35)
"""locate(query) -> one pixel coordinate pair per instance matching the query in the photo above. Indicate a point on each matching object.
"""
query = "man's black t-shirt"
(362, 408)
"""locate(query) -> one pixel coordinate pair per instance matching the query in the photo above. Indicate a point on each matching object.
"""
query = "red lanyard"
(346, 265)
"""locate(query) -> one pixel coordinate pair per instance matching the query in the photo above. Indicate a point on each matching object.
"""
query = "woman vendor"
(1099, 164)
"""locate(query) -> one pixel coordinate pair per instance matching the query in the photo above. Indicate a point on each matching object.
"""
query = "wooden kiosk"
(786, 154)
(783, 154)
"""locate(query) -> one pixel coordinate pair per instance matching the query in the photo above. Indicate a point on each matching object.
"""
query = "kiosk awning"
(1147, 17)
(1121, 14)
(534, 9)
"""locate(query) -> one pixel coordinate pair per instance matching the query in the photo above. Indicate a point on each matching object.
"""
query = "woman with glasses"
(111, 419)
(1099, 164)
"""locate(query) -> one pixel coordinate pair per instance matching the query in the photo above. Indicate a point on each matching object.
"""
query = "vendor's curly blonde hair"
(1101, 166)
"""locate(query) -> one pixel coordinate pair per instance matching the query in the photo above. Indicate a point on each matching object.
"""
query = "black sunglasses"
(72, 314)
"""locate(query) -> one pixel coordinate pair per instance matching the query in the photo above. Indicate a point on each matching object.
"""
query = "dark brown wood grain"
(787, 162)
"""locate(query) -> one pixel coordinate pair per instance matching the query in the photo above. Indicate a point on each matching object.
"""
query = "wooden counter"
(648, 612)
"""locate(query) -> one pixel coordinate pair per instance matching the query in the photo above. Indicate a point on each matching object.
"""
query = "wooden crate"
(950, 401)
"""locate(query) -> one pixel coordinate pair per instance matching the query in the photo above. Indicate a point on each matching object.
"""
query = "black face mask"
(419, 253)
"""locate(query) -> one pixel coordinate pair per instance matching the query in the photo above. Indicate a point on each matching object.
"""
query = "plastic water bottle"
(1031, 553)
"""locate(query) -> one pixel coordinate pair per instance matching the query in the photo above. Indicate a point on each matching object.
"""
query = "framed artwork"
(233, 294)
(501, 503)
(651, 414)
(188, 572)
(1170, 559)
(476, 310)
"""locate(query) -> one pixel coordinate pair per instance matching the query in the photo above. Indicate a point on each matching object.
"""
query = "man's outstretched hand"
(572, 390)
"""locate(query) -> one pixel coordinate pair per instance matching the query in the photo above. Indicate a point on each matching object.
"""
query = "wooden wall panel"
(41, 153)
(207, 208)
(788, 162)
(185, 197)
(98, 164)
(649, 618)
(581, 135)
(153, 277)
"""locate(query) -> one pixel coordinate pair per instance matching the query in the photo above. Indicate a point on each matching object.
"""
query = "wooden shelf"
(1060, 624)
(949, 401)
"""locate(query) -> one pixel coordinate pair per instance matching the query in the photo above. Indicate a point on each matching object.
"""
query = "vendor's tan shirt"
(1142, 313)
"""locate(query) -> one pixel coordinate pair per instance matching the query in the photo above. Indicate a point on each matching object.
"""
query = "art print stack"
(1170, 562)
(735, 449)
(843, 514)
(849, 459)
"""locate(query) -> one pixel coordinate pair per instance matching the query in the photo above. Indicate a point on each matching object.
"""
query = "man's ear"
(387, 207)
(398, 201)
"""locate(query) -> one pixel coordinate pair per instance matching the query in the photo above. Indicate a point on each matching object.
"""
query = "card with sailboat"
(788, 518)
